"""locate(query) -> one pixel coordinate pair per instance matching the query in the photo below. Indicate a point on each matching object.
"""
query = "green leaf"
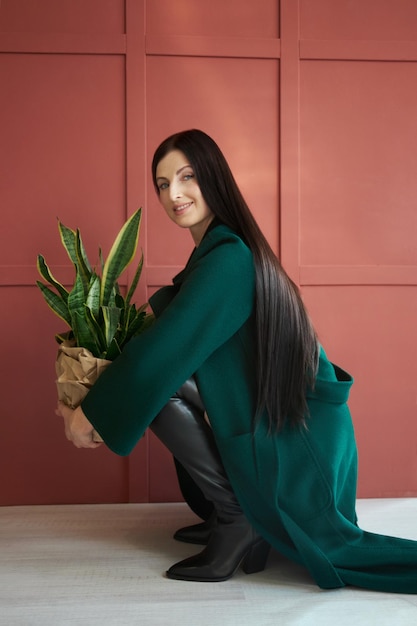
(83, 264)
(101, 319)
(81, 253)
(44, 271)
(76, 298)
(113, 351)
(111, 316)
(96, 330)
(79, 323)
(82, 333)
(93, 295)
(113, 295)
(55, 303)
(125, 316)
(119, 301)
(65, 336)
(101, 258)
(134, 281)
(74, 246)
(68, 238)
(120, 255)
(135, 325)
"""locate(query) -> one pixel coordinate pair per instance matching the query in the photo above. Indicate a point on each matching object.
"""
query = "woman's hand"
(77, 427)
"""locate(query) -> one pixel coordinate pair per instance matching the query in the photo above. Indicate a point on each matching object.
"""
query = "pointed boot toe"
(222, 557)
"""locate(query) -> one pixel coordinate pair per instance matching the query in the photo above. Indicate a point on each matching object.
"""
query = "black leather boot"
(231, 544)
(182, 428)
(192, 493)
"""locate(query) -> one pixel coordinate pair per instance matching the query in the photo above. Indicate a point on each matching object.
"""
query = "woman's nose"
(174, 191)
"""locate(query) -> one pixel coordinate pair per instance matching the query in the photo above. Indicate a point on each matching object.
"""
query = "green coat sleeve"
(214, 300)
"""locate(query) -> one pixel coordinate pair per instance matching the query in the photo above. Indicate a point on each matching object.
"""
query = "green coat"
(298, 488)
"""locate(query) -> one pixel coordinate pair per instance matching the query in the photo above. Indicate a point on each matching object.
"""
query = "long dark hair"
(287, 347)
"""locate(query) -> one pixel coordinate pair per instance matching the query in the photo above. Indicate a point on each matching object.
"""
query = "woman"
(233, 343)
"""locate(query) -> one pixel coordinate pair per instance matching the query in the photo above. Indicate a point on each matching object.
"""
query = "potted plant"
(100, 318)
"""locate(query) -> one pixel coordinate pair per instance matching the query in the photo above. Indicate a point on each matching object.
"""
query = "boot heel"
(255, 559)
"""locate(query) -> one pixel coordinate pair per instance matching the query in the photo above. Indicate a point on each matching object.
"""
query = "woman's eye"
(188, 176)
(163, 186)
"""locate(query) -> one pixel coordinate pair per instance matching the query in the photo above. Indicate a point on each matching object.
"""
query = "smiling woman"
(181, 196)
(278, 462)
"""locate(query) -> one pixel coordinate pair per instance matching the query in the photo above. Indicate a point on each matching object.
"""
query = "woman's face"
(180, 195)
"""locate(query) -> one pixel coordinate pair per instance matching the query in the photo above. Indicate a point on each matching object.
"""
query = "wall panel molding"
(389, 275)
(158, 276)
(62, 43)
(356, 50)
(244, 47)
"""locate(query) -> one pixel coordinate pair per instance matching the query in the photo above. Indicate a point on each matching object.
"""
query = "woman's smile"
(180, 209)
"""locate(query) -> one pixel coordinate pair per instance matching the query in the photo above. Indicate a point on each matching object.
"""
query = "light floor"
(104, 564)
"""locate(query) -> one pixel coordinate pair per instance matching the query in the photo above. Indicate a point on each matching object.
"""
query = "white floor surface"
(104, 565)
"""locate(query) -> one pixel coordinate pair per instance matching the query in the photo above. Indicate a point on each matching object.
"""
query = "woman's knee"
(189, 392)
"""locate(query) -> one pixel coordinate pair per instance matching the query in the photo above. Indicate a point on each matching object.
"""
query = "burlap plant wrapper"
(77, 370)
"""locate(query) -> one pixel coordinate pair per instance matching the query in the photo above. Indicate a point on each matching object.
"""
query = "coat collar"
(205, 245)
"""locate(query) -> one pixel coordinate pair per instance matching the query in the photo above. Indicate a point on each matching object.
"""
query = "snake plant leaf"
(136, 321)
(101, 259)
(101, 318)
(126, 316)
(93, 296)
(65, 336)
(119, 301)
(55, 303)
(74, 246)
(83, 263)
(111, 316)
(120, 255)
(82, 253)
(76, 299)
(68, 237)
(113, 295)
(136, 325)
(135, 281)
(96, 331)
(82, 333)
(133, 316)
(45, 272)
(113, 350)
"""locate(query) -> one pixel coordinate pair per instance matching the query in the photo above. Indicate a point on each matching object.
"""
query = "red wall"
(314, 104)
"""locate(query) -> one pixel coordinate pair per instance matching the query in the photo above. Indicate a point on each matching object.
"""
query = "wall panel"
(313, 103)
(216, 18)
(243, 121)
(357, 221)
(65, 120)
(358, 19)
(370, 330)
(65, 16)
(37, 464)
(359, 118)
(63, 127)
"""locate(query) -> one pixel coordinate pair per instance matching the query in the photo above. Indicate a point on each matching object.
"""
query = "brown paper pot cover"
(77, 370)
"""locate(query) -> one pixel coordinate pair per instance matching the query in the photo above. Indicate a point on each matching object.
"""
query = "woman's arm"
(214, 301)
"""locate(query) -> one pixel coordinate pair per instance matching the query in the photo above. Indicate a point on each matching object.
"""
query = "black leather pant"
(183, 430)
